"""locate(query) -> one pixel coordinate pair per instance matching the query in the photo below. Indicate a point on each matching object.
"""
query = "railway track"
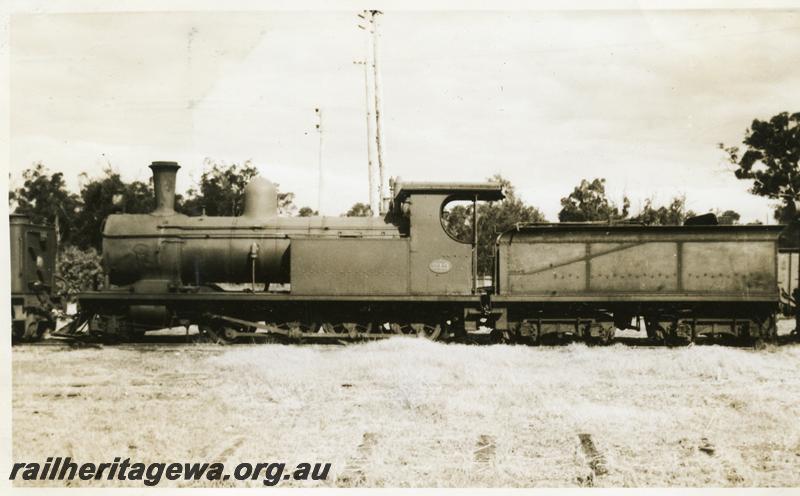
(169, 342)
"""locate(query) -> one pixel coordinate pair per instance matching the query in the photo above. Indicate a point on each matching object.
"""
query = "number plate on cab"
(440, 266)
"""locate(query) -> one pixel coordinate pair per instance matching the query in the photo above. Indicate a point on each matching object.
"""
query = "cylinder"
(150, 316)
(164, 185)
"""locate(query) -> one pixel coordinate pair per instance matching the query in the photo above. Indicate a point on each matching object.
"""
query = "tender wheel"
(598, 334)
(656, 331)
(681, 334)
(607, 337)
(428, 331)
(527, 334)
(770, 329)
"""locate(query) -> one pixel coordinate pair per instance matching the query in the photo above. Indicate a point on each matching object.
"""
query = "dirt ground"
(408, 412)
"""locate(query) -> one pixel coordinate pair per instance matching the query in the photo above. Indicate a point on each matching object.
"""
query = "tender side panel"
(33, 254)
(543, 268)
(633, 267)
(730, 267)
(557, 268)
(349, 266)
(658, 265)
(16, 235)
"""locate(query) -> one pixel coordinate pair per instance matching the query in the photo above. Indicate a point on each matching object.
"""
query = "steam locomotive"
(337, 278)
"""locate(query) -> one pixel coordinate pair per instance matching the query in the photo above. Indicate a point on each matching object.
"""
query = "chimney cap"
(161, 165)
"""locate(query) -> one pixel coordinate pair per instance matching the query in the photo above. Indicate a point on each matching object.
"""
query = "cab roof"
(488, 191)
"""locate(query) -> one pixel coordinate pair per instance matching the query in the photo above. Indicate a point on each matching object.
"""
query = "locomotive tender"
(33, 263)
(679, 281)
(361, 278)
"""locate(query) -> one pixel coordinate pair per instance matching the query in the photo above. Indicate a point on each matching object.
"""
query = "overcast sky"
(544, 98)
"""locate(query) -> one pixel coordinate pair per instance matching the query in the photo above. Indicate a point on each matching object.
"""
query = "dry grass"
(406, 412)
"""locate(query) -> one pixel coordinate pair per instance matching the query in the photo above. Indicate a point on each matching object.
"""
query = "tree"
(286, 204)
(673, 214)
(493, 219)
(458, 221)
(728, 217)
(221, 191)
(307, 212)
(44, 198)
(109, 195)
(770, 160)
(784, 214)
(359, 210)
(588, 202)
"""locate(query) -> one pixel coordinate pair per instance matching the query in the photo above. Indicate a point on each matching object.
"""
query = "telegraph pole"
(378, 109)
(320, 183)
(369, 86)
(372, 80)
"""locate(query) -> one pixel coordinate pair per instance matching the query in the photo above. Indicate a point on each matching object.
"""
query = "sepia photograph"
(343, 245)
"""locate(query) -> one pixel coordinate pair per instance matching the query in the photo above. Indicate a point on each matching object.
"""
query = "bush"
(77, 270)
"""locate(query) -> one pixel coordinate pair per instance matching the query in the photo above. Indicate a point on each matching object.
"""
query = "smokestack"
(164, 184)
